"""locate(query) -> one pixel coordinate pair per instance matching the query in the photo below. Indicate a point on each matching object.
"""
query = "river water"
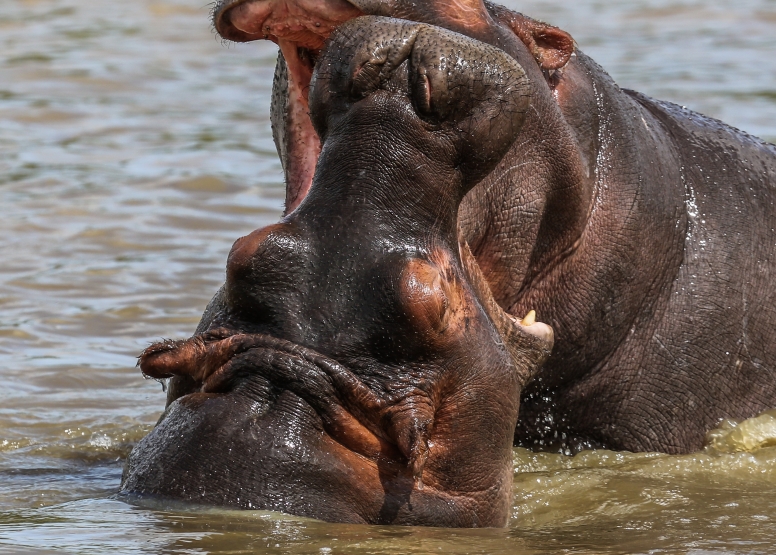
(135, 148)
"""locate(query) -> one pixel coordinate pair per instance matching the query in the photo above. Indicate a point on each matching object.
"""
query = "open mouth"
(305, 22)
(300, 28)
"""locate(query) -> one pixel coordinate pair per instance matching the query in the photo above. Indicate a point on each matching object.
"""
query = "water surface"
(135, 148)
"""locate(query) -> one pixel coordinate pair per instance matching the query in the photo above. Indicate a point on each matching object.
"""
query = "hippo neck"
(546, 187)
(595, 225)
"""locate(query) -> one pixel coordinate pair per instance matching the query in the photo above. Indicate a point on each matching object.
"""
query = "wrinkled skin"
(642, 232)
(355, 366)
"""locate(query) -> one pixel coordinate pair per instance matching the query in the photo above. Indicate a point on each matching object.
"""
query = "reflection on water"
(134, 149)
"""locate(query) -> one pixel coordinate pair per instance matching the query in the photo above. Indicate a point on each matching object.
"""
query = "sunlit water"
(135, 148)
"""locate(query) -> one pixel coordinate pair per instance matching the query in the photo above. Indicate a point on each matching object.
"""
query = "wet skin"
(355, 366)
(642, 232)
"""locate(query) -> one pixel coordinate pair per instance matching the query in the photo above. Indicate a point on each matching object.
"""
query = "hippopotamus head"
(301, 27)
(355, 367)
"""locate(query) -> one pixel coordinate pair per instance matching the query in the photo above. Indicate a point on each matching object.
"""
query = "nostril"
(421, 93)
(439, 85)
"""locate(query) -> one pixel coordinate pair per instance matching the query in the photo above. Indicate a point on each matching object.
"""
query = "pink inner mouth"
(308, 23)
(300, 28)
(303, 146)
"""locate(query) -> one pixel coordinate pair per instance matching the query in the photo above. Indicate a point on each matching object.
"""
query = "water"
(135, 148)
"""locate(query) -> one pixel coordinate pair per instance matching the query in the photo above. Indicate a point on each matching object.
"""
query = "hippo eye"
(423, 296)
(263, 271)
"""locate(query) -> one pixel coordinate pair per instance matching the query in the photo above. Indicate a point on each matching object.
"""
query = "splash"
(750, 435)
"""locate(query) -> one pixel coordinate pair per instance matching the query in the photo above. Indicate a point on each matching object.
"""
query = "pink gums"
(294, 25)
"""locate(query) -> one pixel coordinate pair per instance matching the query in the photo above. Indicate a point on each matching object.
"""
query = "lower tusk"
(530, 319)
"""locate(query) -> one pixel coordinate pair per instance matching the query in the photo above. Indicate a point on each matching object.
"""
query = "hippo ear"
(552, 47)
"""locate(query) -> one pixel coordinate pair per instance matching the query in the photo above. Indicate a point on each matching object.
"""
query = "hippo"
(355, 366)
(642, 232)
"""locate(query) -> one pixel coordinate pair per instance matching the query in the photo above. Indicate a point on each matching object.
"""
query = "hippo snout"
(355, 366)
(469, 96)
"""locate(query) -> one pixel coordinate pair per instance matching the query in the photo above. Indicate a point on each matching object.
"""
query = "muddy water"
(134, 148)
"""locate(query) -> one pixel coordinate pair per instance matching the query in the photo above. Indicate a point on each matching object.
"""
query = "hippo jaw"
(308, 23)
(301, 28)
(226, 361)
(278, 426)
(356, 367)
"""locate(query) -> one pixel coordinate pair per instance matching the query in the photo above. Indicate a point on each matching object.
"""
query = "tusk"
(530, 319)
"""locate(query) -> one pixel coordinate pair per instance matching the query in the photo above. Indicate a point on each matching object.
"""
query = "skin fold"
(642, 232)
(355, 367)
